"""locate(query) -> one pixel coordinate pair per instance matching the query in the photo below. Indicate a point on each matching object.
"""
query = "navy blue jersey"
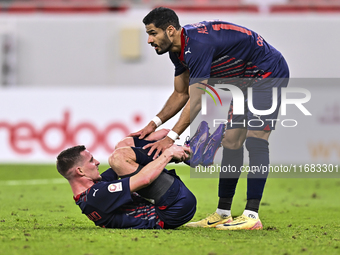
(109, 203)
(218, 49)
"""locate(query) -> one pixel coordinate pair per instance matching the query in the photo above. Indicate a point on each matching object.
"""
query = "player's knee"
(116, 158)
(126, 142)
(111, 159)
(232, 143)
(262, 134)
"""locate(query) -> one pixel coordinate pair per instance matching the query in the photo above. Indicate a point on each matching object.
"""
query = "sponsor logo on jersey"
(115, 187)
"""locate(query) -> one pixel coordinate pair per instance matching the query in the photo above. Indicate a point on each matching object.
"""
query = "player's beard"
(164, 46)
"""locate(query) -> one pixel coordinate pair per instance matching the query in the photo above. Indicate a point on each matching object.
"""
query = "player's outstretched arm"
(189, 113)
(152, 170)
(174, 104)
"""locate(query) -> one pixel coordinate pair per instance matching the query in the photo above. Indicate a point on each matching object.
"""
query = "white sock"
(251, 214)
(223, 213)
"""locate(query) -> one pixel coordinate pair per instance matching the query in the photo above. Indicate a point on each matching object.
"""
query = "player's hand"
(148, 129)
(179, 153)
(187, 150)
(157, 135)
(159, 146)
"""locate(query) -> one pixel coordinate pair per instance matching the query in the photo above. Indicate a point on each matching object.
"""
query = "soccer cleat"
(197, 144)
(214, 142)
(241, 222)
(210, 222)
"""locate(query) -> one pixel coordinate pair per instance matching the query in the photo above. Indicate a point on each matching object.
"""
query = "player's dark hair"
(68, 158)
(162, 17)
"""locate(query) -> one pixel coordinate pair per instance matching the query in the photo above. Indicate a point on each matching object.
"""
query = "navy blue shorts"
(178, 204)
(262, 100)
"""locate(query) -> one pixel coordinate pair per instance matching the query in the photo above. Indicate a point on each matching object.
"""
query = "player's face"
(90, 166)
(158, 39)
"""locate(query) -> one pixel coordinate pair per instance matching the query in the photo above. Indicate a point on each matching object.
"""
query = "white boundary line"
(33, 182)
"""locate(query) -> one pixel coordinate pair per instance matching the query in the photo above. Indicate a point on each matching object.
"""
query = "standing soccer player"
(218, 49)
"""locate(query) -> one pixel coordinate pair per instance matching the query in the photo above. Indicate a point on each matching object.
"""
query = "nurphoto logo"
(239, 103)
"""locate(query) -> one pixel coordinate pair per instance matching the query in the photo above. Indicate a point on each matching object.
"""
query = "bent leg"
(175, 204)
(126, 162)
(123, 161)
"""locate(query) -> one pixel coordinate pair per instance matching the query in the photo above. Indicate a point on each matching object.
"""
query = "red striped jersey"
(218, 49)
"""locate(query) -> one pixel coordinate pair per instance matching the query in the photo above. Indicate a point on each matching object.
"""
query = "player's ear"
(170, 30)
(79, 171)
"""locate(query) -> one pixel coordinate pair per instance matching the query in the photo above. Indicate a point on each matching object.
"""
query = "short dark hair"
(162, 17)
(68, 158)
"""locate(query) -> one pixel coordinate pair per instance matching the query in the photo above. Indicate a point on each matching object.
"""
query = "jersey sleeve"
(109, 196)
(179, 67)
(109, 175)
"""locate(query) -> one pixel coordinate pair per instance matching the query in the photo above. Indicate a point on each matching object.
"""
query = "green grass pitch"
(300, 216)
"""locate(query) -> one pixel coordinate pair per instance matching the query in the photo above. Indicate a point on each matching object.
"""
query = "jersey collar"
(181, 56)
(84, 193)
(76, 198)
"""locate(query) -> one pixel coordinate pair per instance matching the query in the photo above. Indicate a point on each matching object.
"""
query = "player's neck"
(176, 43)
(80, 185)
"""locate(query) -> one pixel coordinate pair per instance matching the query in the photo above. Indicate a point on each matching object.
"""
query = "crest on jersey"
(114, 187)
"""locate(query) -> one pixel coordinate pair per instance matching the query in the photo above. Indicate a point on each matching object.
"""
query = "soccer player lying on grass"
(136, 192)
